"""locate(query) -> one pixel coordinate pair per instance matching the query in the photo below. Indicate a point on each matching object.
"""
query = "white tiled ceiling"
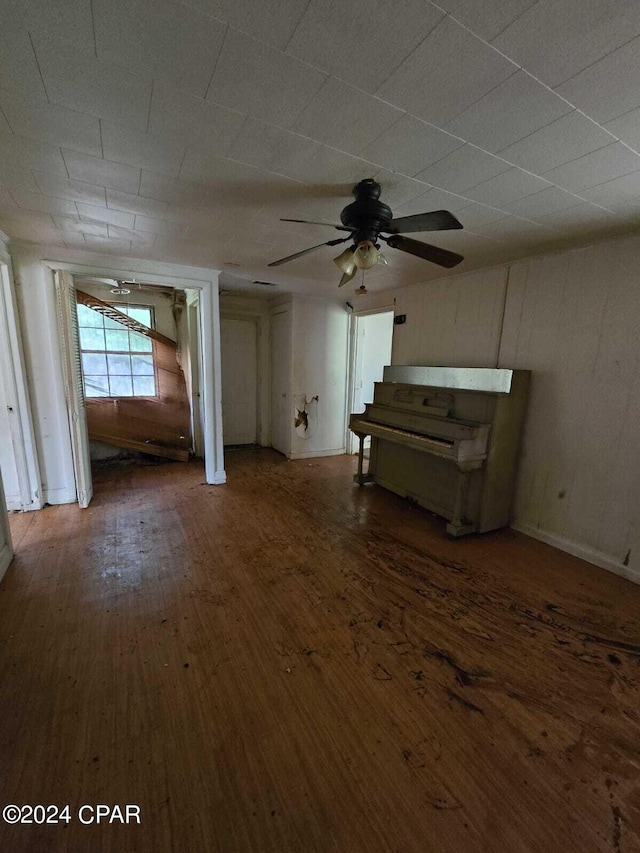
(183, 131)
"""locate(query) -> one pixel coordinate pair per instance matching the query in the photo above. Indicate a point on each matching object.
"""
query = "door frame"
(209, 366)
(276, 311)
(12, 365)
(6, 546)
(351, 440)
(74, 385)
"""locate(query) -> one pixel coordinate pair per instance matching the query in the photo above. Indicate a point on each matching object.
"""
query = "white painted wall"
(320, 349)
(454, 321)
(572, 318)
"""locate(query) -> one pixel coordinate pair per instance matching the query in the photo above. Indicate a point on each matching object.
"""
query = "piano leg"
(361, 478)
(458, 526)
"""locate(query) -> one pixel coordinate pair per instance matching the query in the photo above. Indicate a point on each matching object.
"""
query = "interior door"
(239, 363)
(281, 406)
(70, 345)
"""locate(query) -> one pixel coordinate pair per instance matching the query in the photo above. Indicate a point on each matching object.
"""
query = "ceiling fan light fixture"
(366, 255)
(345, 261)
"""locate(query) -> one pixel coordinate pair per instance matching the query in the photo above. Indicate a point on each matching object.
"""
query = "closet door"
(239, 361)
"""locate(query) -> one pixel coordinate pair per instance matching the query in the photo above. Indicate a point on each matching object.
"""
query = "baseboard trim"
(59, 496)
(312, 454)
(590, 555)
(6, 555)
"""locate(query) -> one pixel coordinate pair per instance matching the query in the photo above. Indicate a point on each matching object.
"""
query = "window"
(116, 362)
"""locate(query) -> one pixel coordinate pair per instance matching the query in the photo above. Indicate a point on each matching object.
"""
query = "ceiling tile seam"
(406, 113)
(4, 116)
(295, 29)
(35, 56)
(148, 111)
(417, 47)
(411, 52)
(327, 74)
(491, 154)
(599, 59)
(423, 121)
(480, 38)
(200, 11)
(93, 29)
(29, 210)
(64, 160)
(184, 157)
(597, 151)
(215, 65)
(622, 115)
(101, 139)
(517, 18)
(485, 94)
(533, 77)
(614, 138)
(508, 237)
(238, 132)
(386, 130)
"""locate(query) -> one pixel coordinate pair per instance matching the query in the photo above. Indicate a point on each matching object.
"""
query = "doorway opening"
(133, 365)
(372, 339)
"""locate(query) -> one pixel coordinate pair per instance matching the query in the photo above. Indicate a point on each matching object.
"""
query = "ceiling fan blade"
(306, 251)
(311, 222)
(436, 255)
(346, 277)
(435, 220)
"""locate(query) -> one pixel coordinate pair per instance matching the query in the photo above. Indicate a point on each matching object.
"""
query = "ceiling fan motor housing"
(367, 214)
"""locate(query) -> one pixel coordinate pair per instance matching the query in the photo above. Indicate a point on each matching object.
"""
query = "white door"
(6, 550)
(71, 359)
(239, 362)
(281, 406)
(18, 457)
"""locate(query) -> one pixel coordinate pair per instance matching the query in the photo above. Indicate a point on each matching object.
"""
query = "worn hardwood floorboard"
(289, 663)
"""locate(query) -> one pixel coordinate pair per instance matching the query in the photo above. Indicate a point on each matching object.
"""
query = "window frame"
(118, 306)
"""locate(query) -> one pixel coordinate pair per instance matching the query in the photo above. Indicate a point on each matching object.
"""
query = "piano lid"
(488, 379)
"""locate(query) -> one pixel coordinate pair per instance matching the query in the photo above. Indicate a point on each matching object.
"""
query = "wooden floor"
(289, 663)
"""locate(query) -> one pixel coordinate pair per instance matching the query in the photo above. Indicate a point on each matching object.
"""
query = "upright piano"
(447, 438)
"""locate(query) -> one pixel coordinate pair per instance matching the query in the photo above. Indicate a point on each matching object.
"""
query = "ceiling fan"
(368, 220)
